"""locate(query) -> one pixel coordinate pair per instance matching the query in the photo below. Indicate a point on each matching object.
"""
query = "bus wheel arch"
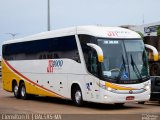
(15, 89)
(76, 94)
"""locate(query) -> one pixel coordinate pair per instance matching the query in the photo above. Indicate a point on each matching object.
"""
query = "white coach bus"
(83, 63)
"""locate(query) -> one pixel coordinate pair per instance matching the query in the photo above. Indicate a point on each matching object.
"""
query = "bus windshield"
(123, 59)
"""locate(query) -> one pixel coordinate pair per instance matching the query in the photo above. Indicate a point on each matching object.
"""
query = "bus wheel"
(77, 96)
(16, 90)
(23, 91)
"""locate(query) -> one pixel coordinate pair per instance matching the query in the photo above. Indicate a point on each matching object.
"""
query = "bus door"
(91, 80)
(92, 88)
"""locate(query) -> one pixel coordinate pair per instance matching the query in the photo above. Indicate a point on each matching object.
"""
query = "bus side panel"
(7, 77)
(35, 90)
(9, 74)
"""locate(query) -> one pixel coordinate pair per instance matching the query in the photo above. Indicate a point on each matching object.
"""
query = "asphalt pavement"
(53, 108)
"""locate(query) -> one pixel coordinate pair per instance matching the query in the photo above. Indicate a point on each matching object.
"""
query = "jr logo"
(54, 64)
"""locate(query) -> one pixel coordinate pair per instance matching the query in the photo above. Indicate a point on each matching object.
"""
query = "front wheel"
(77, 96)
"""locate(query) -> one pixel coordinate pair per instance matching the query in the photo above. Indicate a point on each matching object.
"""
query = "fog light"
(105, 96)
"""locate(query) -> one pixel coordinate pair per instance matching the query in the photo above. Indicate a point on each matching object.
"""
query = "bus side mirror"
(98, 50)
(155, 52)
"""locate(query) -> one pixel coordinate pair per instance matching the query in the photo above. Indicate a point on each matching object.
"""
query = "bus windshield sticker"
(111, 42)
(125, 75)
(107, 73)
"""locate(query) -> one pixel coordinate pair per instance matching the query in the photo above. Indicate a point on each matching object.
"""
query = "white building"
(146, 29)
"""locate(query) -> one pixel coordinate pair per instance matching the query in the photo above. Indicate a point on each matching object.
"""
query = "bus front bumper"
(109, 97)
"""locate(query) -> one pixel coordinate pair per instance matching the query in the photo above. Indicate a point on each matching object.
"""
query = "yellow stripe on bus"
(118, 87)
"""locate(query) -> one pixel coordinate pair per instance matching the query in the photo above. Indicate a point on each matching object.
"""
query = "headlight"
(109, 89)
(147, 87)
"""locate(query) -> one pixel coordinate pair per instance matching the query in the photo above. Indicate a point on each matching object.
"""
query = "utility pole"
(49, 24)
(143, 19)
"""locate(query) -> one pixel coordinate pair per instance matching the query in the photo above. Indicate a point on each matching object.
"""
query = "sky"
(27, 17)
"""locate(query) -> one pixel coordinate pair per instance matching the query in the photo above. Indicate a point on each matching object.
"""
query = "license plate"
(130, 98)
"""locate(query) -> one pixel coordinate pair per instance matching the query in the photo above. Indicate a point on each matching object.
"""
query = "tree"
(158, 31)
(141, 34)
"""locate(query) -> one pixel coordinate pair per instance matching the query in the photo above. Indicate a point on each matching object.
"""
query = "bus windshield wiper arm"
(123, 67)
(135, 68)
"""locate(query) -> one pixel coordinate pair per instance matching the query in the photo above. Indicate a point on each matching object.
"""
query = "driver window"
(93, 68)
(90, 55)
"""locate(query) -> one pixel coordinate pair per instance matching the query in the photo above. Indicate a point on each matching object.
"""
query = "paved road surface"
(45, 105)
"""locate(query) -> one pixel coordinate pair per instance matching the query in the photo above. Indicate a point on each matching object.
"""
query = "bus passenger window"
(44, 56)
(40, 57)
(49, 56)
(55, 56)
(76, 57)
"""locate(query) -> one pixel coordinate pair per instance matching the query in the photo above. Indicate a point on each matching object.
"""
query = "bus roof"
(98, 31)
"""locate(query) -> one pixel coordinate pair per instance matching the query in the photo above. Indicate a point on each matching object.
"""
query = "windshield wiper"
(135, 68)
(123, 67)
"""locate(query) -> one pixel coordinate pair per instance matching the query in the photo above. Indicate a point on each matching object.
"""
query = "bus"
(0, 67)
(83, 63)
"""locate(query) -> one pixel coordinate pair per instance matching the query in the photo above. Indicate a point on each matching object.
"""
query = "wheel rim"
(23, 91)
(78, 96)
(16, 90)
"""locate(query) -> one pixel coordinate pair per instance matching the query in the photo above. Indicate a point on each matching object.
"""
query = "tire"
(141, 102)
(155, 69)
(77, 96)
(23, 93)
(16, 90)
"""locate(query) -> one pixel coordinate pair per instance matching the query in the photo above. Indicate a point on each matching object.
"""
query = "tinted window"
(90, 54)
(157, 81)
(52, 48)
